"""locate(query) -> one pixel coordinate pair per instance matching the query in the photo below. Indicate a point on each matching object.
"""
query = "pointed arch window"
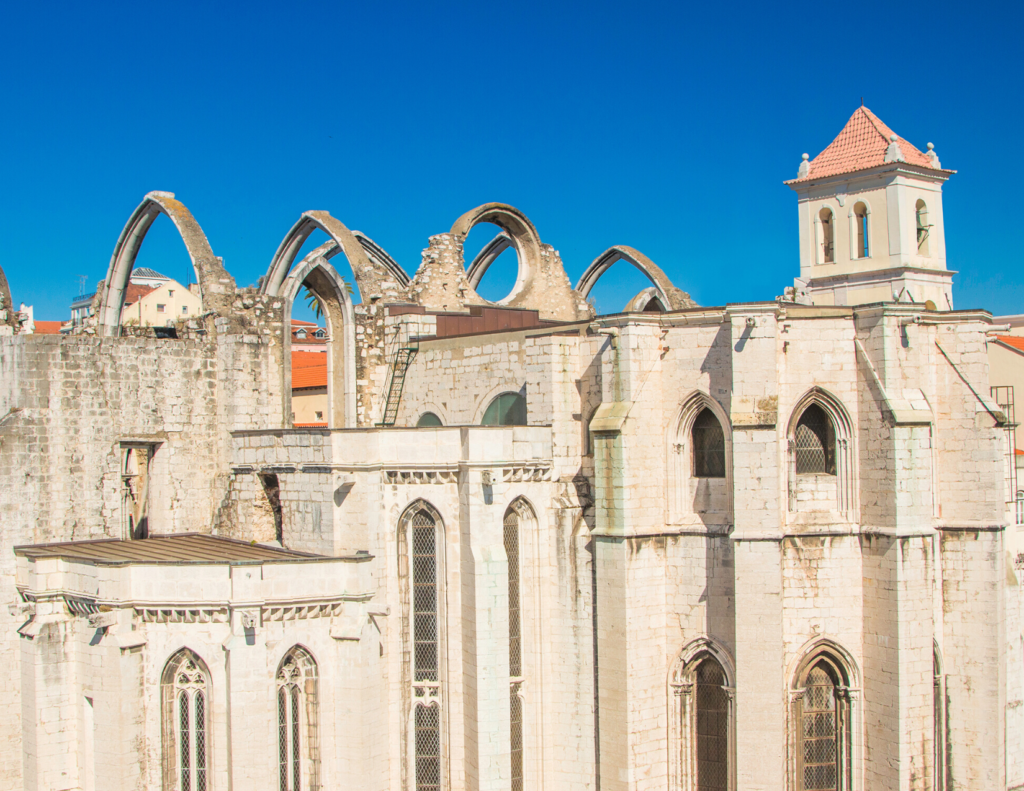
(515, 645)
(186, 703)
(815, 442)
(823, 727)
(708, 442)
(703, 751)
(297, 721)
(421, 575)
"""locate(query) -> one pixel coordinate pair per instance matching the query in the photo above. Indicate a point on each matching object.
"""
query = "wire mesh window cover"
(815, 442)
(712, 727)
(515, 649)
(820, 738)
(190, 698)
(298, 747)
(708, 441)
(426, 636)
(508, 409)
(428, 748)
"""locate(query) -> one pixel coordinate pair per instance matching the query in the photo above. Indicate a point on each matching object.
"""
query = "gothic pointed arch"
(820, 425)
(211, 276)
(375, 277)
(6, 306)
(324, 281)
(702, 728)
(649, 300)
(672, 297)
(699, 451)
(186, 739)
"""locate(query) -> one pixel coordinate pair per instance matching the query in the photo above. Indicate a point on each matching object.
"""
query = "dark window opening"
(708, 446)
(815, 443)
(428, 419)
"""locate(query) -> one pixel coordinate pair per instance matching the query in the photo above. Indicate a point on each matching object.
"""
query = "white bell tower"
(871, 225)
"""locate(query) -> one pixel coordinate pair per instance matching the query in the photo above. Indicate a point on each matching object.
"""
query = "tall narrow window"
(828, 253)
(860, 215)
(823, 728)
(712, 727)
(923, 227)
(815, 442)
(426, 654)
(135, 490)
(185, 702)
(515, 647)
(297, 720)
(708, 442)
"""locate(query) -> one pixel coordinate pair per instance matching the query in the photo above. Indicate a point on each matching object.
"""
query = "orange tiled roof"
(48, 327)
(309, 370)
(862, 144)
(135, 292)
(309, 425)
(1010, 340)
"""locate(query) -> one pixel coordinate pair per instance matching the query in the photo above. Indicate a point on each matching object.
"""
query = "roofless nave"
(760, 546)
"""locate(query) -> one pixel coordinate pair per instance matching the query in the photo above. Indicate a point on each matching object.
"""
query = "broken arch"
(669, 296)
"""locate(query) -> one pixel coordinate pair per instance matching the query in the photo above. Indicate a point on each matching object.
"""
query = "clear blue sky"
(669, 127)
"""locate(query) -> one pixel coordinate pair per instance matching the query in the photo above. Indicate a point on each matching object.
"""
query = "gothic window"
(923, 228)
(815, 442)
(515, 646)
(823, 729)
(712, 727)
(428, 419)
(297, 720)
(860, 216)
(186, 702)
(828, 253)
(422, 555)
(508, 409)
(708, 441)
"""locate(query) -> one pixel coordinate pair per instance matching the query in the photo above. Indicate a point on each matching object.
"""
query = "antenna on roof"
(861, 101)
(81, 284)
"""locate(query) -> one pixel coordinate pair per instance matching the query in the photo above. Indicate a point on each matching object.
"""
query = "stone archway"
(671, 297)
(211, 276)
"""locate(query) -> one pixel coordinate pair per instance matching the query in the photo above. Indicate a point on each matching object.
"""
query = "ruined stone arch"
(647, 301)
(6, 306)
(671, 297)
(519, 233)
(324, 281)
(700, 661)
(211, 276)
(375, 277)
(711, 499)
(845, 453)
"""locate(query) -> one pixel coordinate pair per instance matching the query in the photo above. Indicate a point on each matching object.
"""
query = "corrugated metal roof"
(145, 271)
(182, 548)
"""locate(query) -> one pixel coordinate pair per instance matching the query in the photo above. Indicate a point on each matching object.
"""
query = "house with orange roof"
(309, 388)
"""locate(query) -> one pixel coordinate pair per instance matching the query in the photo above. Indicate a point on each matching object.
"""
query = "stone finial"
(933, 157)
(894, 153)
(805, 167)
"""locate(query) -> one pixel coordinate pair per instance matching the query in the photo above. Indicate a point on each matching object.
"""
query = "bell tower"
(871, 226)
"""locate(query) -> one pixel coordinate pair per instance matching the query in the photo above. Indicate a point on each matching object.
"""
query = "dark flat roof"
(180, 548)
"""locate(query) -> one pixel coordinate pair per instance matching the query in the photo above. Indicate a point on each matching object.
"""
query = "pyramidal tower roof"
(865, 142)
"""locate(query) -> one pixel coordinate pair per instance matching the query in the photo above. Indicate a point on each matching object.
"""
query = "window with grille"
(186, 737)
(708, 442)
(819, 743)
(426, 656)
(815, 442)
(297, 720)
(515, 647)
(712, 727)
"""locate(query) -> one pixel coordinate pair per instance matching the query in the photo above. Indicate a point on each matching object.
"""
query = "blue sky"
(667, 127)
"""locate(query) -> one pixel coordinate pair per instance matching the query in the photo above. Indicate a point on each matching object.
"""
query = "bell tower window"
(826, 237)
(860, 220)
(923, 228)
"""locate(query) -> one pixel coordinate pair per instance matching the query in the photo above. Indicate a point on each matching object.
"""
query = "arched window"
(923, 228)
(186, 703)
(823, 722)
(428, 419)
(702, 757)
(421, 575)
(827, 238)
(297, 719)
(815, 442)
(508, 409)
(515, 645)
(860, 218)
(708, 441)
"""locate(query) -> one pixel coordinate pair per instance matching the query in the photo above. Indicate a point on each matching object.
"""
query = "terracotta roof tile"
(1012, 340)
(135, 292)
(860, 145)
(309, 369)
(48, 327)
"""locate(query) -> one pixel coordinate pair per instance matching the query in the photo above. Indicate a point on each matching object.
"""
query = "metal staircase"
(399, 366)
